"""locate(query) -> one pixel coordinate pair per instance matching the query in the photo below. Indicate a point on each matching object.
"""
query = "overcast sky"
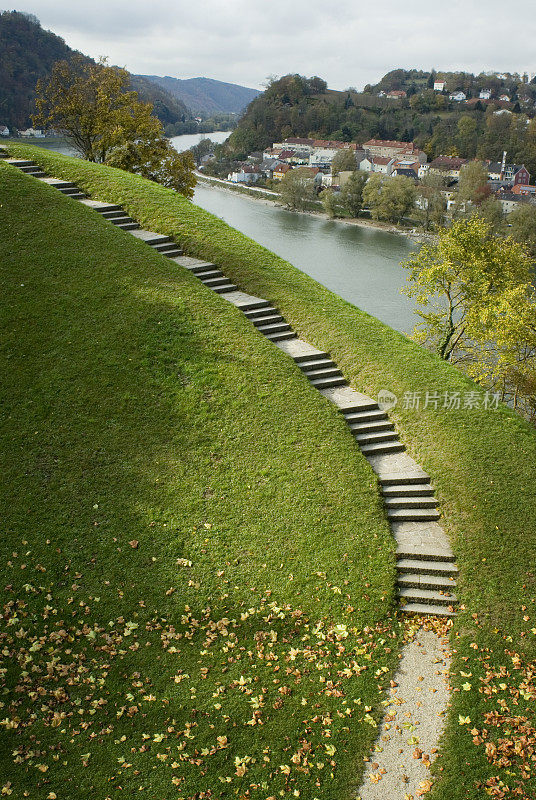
(346, 42)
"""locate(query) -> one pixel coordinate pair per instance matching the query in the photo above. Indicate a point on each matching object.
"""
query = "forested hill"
(304, 107)
(27, 53)
(205, 96)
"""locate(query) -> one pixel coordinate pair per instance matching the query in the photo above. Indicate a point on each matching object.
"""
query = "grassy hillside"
(482, 462)
(197, 576)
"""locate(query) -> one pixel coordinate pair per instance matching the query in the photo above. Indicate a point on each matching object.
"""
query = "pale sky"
(346, 42)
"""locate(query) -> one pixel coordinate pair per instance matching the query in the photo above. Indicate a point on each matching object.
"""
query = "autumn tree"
(389, 199)
(297, 188)
(352, 193)
(523, 222)
(473, 186)
(89, 104)
(157, 160)
(343, 161)
(457, 280)
(433, 203)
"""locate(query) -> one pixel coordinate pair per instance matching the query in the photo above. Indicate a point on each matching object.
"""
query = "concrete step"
(413, 514)
(398, 479)
(437, 555)
(327, 383)
(426, 567)
(197, 268)
(371, 427)
(106, 209)
(163, 247)
(126, 226)
(417, 580)
(280, 337)
(212, 282)
(213, 272)
(405, 501)
(383, 448)
(365, 416)
(360, 408)
(113, 212)
(408, 490)
(21, 162)
(427, 596)
(171, 253)
(373, 438)
(307, 357)
(427, 610)
(253, 313)
(317, 363)
(325, 372)
(229, 287)
(276, 327)
(272, 319)
(120, 219)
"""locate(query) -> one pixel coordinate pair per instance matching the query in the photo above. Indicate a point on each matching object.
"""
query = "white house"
(504, 98)
(4, 130)
(485, 94)
(458, 97)
(439, 86)
(37, 133)
(377, 164)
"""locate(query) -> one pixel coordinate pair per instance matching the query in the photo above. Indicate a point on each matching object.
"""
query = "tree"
(433, 203)
(458, 279)
(352, 193)
(523, 222)
(297, 188)
(490, 210)
(344, 161)
(89, 104)
(466, 137)
(389, 198)
(331, 203)
(200, 150)
(158, 161)
(472, 185)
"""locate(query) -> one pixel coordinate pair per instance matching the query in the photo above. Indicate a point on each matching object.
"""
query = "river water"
(361, 265)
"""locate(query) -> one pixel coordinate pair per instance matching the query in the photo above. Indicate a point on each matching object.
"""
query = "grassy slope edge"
(185, 524)
(482, 463)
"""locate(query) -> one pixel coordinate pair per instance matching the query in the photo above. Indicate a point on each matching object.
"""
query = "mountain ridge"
(206, 96)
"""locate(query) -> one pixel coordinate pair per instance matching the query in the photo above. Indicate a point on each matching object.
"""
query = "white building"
(439, 86)
(485, 94)
(458, 97)
(4, 130)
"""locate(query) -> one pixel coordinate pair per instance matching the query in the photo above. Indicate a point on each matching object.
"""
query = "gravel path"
(414, 719)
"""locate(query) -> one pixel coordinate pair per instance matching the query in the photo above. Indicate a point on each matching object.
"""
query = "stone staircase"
(426, 569)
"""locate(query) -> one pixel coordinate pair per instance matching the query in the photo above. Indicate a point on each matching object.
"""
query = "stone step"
(327, 383)
(373, 438)
(317, 363)
(209, 273)
(371, 427)
(120, 219)
(171, 253)
(107, 208)
(397, 479)
(410, 502)
(408, 490)
(68, 190)
(300, 359)
(325, 372)
(359, 408)
(269, 319)
(437, 555)
(113, 212)
(21, 162)
(280, 337)
(276, 327)
(163, 247)
(152, 238)
(197, 268)
(427, 596)
(427, 610)
(221, 281)
(365, 416)
(126, 226)
(259, 312)
(413, 514)
(229, 287)
(418, 580)
(426, 567)
(77, 196)
(383, 448)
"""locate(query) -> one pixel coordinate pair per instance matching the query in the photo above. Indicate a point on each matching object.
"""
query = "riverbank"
(269, 197)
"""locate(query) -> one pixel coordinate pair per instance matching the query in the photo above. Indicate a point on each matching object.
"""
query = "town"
(509, 183)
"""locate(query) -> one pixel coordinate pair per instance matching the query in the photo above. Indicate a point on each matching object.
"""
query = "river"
(360, 264)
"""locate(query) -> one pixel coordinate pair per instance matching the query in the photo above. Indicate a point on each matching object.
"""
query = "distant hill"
(27, 53)
(205, 96)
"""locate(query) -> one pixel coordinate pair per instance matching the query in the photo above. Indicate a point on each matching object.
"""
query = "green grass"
(139, 408)
(482, 463)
